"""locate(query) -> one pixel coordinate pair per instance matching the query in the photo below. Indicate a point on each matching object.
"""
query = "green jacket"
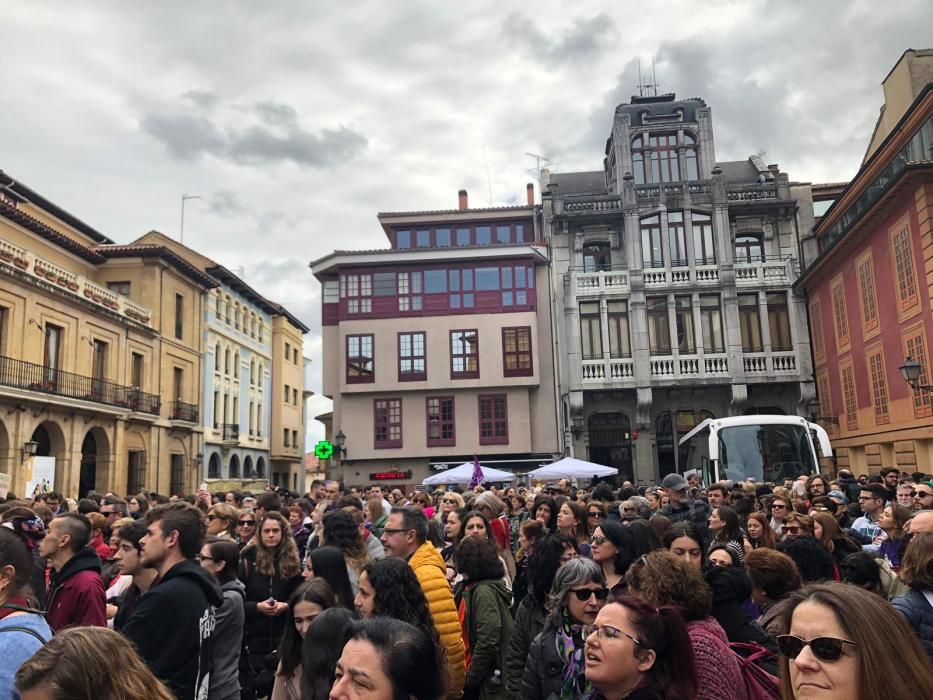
(487, 627)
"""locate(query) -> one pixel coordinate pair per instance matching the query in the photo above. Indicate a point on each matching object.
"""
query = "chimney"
(464, 200)
(530, 190)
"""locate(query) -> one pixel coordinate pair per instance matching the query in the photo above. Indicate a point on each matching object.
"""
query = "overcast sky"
(298, 121)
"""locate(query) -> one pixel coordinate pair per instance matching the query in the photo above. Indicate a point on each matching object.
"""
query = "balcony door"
(610, 441)
(52, 354)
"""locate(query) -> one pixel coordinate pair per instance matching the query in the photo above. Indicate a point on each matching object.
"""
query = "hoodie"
(228, 642)
(173, 625)
(487, 625)
(76, 593)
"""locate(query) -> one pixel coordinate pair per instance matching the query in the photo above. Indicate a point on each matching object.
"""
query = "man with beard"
(173, 623)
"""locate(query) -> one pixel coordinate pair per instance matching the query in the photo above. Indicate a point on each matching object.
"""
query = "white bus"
(762, 447)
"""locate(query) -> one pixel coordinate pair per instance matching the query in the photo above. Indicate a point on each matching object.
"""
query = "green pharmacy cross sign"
(323, 450)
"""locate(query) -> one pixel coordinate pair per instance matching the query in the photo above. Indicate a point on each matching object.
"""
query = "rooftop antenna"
(536, 171)
(650, 88)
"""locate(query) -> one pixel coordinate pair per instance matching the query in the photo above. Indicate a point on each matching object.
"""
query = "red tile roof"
(48, 233)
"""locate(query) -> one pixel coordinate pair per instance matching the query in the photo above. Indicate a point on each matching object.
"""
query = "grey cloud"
(278, 139)
(205, 99)
(185, 136)
(581, 41)
(225, 204)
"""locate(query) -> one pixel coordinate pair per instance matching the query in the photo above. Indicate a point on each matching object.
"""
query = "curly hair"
(663, 579)
(542, 499)
(285, 554)
(397, 593)
(342, 531)
(478, 560)
(814, 562)
(544, 563)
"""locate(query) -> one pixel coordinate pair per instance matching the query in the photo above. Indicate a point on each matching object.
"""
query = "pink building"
(440, 347)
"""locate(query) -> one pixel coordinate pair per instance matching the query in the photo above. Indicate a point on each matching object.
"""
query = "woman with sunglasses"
(639, 652)
(797, 525)
(245, 528)
(779, 508)
(220, 558)
(555, 663)
(834, 650)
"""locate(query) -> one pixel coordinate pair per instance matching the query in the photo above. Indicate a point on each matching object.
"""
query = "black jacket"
(529, 621)
(914, 606)
(172, 627)
(732, 588)
(851, 487)
(263, 633)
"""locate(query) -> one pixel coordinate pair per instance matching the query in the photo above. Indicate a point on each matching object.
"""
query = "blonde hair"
(226, 512)
(70, 667)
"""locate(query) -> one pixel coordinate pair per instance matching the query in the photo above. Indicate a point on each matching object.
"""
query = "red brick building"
(869, 284)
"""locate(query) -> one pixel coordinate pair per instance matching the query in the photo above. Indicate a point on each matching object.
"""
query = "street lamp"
(30, 449)
(184, 198)
(814, 407)
(910, 371)
(340, 439)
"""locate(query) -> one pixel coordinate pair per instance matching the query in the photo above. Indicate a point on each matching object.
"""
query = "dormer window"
(655, 158)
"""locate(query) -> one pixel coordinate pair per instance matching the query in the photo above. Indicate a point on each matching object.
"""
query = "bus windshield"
(765, 452)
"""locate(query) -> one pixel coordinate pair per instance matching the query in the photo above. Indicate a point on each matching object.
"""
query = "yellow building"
(100, 354)
(288, 394)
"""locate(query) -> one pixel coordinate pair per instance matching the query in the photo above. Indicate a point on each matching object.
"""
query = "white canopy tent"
(464, 474)
(571, 468)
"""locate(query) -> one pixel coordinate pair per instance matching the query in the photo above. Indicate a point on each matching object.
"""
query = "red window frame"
(516, 361)
(412, 358)
(362, 377)
(387, 423)
(442, 418)
(493, 412)
(466, 372)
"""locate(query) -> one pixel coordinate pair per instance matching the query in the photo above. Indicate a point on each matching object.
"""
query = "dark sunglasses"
(245, 522)
(791, 530)
(598, 540)
(823, 648)
(215, 517)
(583, 594)
(596, 514)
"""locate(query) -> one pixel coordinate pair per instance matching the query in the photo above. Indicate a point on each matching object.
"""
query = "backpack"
(759, 684)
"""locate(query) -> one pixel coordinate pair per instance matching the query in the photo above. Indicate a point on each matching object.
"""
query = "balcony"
(593, 205)
(230, 432)
(771, 273)
(18, 374)
(184, 411)
(588, 283)
(669, 367)
(770, 364)
(613, 371)
(69, 283)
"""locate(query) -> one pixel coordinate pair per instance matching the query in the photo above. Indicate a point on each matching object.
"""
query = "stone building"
(672, 275)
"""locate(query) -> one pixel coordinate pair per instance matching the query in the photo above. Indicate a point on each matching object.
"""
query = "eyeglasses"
(395, 530)
(924, 494)
(778, 506)
(790, 530)
(598, 540)
(596, 514)
(606, 632)
(201, 557)
(242, 522)
(584, 594)
(450, 500)
(823, 648)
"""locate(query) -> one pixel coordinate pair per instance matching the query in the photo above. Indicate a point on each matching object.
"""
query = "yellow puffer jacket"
(429, 568)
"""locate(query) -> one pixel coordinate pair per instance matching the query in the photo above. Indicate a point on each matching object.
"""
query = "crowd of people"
(812, 588)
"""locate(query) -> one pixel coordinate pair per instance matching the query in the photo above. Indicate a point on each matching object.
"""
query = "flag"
(478, 476)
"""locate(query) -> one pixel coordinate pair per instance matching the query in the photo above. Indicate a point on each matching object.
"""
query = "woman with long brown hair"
(759, 530)
(70, 667)
(572, 521)
(826, 529)
(834, 645)
(270, 570)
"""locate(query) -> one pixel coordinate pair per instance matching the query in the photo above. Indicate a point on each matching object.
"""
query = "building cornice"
(345, 258)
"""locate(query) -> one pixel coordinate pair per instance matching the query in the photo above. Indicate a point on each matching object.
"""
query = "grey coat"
(228, 641)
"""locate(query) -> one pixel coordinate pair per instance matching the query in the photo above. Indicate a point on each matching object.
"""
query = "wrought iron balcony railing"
(231, 432)
(19, 374)
(184, 411)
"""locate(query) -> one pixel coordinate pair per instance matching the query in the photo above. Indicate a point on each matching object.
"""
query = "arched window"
(234, 467)
(236, 366)
(227, 361)
(238, 314)
(217, 358)
(749, 248)
(260, 468)
(690, 157)
(596, 257)
(213, 466)
(638, 161)
(259, 376)
(261, 328)
(228, 309)
(220, 306)
(252, 371)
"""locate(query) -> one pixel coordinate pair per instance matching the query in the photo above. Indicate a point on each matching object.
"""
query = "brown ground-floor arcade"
(97, 448)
